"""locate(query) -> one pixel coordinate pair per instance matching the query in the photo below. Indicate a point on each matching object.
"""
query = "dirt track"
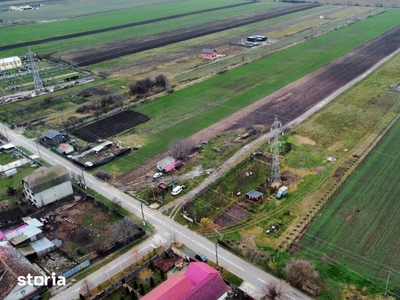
(304, 93)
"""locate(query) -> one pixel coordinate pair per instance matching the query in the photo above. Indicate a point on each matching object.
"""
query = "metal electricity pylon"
(35, 72)
(276, 169)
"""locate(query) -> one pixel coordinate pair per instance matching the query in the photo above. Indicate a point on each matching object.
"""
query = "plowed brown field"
(304, 94)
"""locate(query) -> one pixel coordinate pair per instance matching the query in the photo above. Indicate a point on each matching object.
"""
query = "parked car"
(172, 183)
(176, 190)
(201, 257)
(157, 175)
(7, 100)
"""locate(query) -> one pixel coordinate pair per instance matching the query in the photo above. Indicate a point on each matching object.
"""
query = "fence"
(128, 277)
(32, 160)
(76, 269)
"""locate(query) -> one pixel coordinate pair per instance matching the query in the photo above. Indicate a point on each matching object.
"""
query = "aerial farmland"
(133, 73)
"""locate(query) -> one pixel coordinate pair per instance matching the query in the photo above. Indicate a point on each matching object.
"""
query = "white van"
(176, 190)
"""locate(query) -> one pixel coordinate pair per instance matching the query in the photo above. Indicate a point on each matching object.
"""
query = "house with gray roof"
(53, 138)
(47, 185)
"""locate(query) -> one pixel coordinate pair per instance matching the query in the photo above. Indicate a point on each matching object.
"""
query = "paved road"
(168, 229)
(165, 227)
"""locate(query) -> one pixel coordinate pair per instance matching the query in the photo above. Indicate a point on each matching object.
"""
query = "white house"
(47, 185)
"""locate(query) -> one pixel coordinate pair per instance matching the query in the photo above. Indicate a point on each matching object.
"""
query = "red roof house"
(254, 195)
(199, 282)
(209, 53)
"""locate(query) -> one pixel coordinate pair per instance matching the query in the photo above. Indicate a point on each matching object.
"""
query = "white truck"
(282, 192)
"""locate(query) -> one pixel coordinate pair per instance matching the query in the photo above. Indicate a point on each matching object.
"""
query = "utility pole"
(387, 282)
(216, 252)
(37, 145)
(276, 170)
(141, 206)
(35, 72)
(83, 177)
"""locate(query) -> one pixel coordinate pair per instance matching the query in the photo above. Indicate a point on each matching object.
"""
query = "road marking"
(262, 280)
(219, 256)
(290, 296)
(158, 239)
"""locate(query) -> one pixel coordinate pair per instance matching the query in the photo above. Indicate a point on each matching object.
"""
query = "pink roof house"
(199, 282)
(173, 288)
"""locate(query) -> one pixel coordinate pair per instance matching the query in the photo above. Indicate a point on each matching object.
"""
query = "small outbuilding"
(256, 38)
(65, 149)
(9, 63)
(209, 53)
(7, 148)
(254, 195)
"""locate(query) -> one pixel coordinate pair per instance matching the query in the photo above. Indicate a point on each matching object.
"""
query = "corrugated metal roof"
(254, 194)
(32, 221)
(42, 245)
(51, 133)
(9, 59)
(18, 236)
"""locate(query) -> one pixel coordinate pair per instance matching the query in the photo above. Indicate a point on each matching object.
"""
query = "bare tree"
(87, 286)
(159, 80)
(123, 230)
(135, 252)
(116, 202)
(301, 273)
(84, 236)
(182, 148)
(103, 175)
(273, 290)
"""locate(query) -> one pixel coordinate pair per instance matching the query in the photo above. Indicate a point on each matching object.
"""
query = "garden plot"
(86, 228)
(230, 216)
(110, 126)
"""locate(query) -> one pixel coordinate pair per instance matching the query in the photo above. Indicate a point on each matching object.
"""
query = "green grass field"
(39, 31)
(360, 226)
(205, 103)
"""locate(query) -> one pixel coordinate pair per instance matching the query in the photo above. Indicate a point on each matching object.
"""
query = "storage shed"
(209, 53)
(254, 195)
(256, 38)
(9, 63)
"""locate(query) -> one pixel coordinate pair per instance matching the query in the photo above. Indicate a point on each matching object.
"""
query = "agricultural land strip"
(90, 32)
(360, 224)
(110, 126)
(288, 102)
(109, 51)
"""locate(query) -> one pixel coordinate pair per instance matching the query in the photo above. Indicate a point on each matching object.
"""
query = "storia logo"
(41, 280)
